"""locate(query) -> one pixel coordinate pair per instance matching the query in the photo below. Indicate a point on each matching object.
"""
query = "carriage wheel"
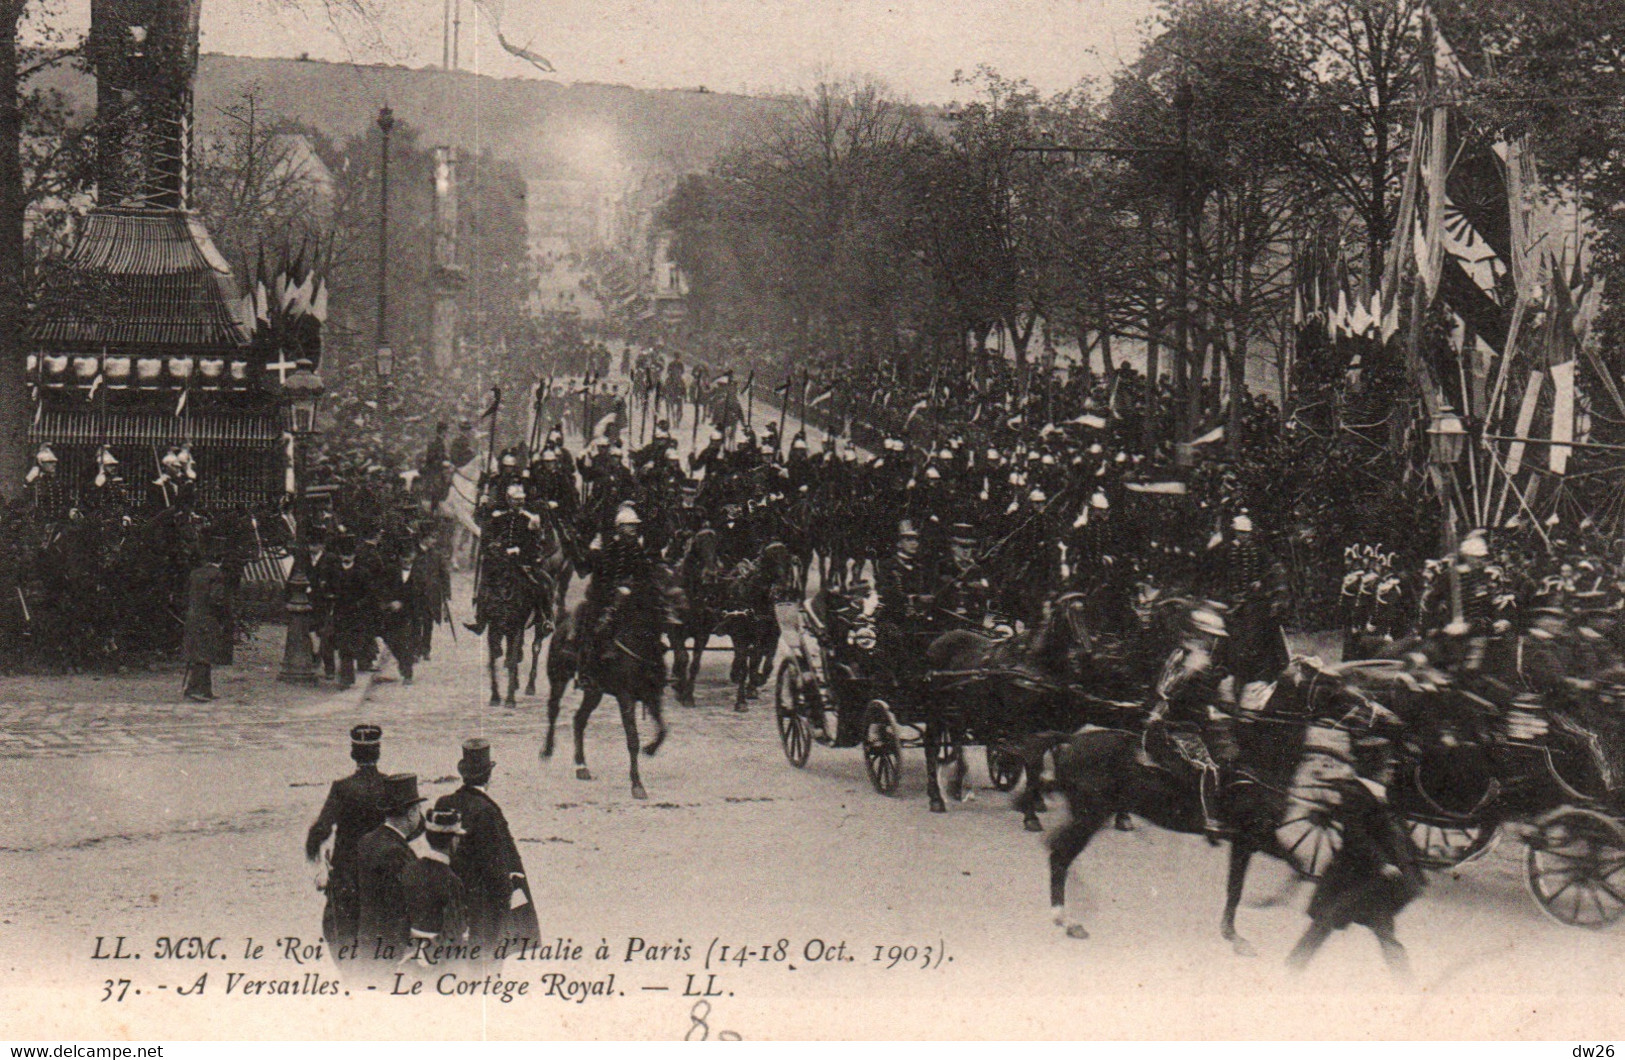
(949, 755)
(1004, 767)
(795, 732)
(1311, 837)
(882, 747)
(1575, 868)
(1444, 846)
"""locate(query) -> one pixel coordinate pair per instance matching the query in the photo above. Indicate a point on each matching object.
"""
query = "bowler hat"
(448, 820)
(400, 792)
(476, 760)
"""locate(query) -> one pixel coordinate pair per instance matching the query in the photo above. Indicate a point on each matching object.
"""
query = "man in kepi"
(486, 859)
(350, 812)
(383, 928)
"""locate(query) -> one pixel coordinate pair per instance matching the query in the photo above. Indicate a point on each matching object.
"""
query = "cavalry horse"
(516, 594)
(750, 620)
(1006, 691)
(703, 579)
(1316, 733)
(559, 565)
(628, 664)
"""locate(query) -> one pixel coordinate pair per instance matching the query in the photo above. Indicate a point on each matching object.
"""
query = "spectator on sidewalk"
(350, 812)
(207, 640)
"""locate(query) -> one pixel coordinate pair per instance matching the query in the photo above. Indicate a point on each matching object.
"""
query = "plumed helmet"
(1099, 500)
(516, 491)
(1474, 546)
(45, 455)
(627, 516)
(1242, 523)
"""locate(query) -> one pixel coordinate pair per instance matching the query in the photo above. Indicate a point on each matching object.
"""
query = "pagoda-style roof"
(147, 278)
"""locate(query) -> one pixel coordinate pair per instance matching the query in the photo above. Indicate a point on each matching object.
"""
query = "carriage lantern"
(1447, 437)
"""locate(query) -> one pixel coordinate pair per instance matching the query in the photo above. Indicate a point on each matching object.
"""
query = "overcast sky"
(914, 46)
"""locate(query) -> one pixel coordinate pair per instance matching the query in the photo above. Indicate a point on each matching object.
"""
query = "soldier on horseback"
(1190, 695)
(507, 544)
(622, 573)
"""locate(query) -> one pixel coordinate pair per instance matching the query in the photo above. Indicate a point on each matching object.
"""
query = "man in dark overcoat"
(207, 639)
(350, 812)
(436, 900)
(383, 924)
(402, 602)
(487, 859)
(353, 593)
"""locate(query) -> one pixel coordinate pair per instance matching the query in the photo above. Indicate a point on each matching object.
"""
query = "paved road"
(147, 819)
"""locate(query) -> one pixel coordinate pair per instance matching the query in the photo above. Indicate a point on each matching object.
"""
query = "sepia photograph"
(576, 520)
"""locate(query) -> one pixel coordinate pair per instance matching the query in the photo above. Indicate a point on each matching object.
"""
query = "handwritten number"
(697, 1017)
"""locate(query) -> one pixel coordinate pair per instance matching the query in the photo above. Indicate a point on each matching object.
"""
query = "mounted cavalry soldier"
(622, 573)
(507, 541)
(1190, 698)
(350, 812)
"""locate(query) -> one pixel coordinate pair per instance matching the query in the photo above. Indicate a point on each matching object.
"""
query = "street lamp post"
(304, 392)
(385, 363)
(1447, 441)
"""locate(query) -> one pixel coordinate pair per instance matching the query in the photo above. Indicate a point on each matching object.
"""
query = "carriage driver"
(963, 589)
(621, 568)
(1190, 696)
(508, 541)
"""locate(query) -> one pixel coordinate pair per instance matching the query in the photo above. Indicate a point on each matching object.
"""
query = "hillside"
(550, 130)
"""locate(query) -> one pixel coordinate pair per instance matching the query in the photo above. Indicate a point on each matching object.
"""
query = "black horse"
(1005, 691)
(1314, 733)
(704, 581)
(628, 663)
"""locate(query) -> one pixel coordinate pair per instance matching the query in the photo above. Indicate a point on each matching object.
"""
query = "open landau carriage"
(833, 689)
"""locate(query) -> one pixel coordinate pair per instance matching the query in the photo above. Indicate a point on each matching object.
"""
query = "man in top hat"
(402, 604)
(487, 859)
(436, 899)
(209, 624)
(351, 592)
(383, 926)
(963, 589)
(350, 812)
(431, 578)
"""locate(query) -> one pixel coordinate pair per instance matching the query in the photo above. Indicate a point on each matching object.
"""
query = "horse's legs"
(679, 667)
(654, 708)
(702, 641)
(535, 657)
(935, 728)
(1064, 847)
(589, 703)
(1241, 852)
(515, 652)
(493, 646)
(1031, 800)
(629, 722)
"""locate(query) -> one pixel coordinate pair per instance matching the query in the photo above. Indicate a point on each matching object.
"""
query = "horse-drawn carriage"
(1476, 767)
(832, 689)
(941, 690)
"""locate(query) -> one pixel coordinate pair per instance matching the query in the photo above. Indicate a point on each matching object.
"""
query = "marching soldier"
(487, 859)
(350, 812)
